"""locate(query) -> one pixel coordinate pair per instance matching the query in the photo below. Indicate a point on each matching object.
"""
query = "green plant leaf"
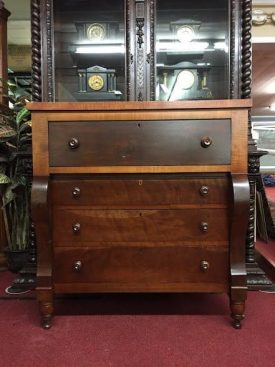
(8, 196)
(6, 132)
(22, 114)
(4, 179)
(25, 126)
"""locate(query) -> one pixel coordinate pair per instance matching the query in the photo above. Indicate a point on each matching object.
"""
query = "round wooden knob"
(205, 265)
(204, 226)
(77, 265)
(206, 141)
(76, 192)
(73, 143)
(204, 190)
(76, 228)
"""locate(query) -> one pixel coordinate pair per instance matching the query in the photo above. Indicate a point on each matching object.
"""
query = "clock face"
(96, 82)
(185, 34)
(96, 32)
(186, 79)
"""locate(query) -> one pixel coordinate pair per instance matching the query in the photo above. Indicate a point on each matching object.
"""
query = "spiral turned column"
(36, 51)
(256, 278)
(26, 279)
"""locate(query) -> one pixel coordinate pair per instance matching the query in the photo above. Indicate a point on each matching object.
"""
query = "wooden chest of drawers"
(140, 197)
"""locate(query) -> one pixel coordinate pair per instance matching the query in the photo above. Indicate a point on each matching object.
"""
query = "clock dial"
(96, 32)
(185, 34)
(186, 79)
(96, 82)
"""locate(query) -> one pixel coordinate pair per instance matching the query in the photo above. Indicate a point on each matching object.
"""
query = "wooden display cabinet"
(132, 170)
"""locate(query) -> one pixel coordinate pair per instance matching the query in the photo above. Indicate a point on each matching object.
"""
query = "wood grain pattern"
(140, 225)
(40, 147)
(157, 265)
(140, 190)
(141, 169)
(137, 115)
(145, 105)
(239, 142)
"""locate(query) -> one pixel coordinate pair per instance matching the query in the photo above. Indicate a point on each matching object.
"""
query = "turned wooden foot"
(237, 313)
(46, 321)
(46, 310)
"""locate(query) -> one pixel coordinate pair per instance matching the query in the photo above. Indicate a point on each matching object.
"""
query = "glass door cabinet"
(146, 50)
(137, 49)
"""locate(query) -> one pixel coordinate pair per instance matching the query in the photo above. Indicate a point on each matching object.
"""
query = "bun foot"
(237, 314)
(47, 322)
(237, 324)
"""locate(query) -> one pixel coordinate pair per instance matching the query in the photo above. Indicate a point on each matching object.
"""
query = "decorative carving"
(36, 51)
(246, 49)
(129, 55)
(250, 242)
(256, 278)
(253, 162)
(49, 50)
(140, 68)
(234, 50)
(152, 49)
(140, 32)
(140, 97)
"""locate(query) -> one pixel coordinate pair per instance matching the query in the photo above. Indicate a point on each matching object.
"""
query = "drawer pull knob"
(204, 190)
(77, 265)
(205, 266)
(76, 228)
(76, 192)
(206, 141)
(204, 226)
(73, 143)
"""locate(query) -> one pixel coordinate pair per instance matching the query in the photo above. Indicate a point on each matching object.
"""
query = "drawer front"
(146, 265)
(74, 226)
(144, 143)
(140, 190)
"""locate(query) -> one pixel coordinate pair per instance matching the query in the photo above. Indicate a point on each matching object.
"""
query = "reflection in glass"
(192, 50)
(89, 46)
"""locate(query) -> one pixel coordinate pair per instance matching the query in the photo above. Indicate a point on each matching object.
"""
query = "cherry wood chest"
(140, 197)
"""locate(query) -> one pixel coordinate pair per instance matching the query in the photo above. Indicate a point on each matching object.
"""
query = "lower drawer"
(144, 268)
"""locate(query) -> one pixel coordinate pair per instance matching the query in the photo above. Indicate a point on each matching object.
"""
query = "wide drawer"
(140, 190)
(73, 226)
(139, 143)
(142, 265)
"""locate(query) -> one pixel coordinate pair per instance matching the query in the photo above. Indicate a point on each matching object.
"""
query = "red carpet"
(138, 331)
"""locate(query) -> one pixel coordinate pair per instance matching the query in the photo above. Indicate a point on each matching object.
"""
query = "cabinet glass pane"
(192, 49)
(89, 50)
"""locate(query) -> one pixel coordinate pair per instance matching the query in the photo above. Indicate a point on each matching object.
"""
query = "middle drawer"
(71, 226)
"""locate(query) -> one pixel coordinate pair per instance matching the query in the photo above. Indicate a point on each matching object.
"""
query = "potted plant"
(15, 143)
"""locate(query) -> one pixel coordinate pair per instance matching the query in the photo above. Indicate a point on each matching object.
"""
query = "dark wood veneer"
(134, 143)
